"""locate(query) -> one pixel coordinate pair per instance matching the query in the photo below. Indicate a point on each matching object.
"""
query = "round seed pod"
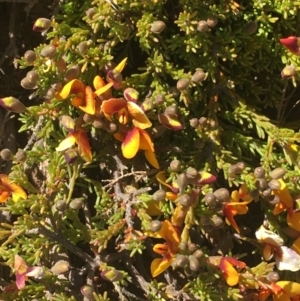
(188, 271)
(222, 194)
(174, 91)
(32, 76)
(182, 181)
(182, 84)
(233, 170)
(175, 165)
(111, 127)
(191, 173)
(261, 184)
(30, 56)
(254, 193)
(205, 220)
(83, 47)
(72, 73)
(155, 225)
(198, 76)
(185, 200)
(48, 51)
(277, 173)
(251, 28)
(194, 122)
(90, 13)
(159, 195)
(26, 84)
(159, 99)
(157, 27)
(259, 172)
(171, 110)
(76, 203)
(210, 199)
(61, 205)
(60, 267)
(274, 184)
(241, 166)
(274, 199)
(216, 221)
(180, 261)
(57, 86)
(99, 123)
(203, 120)
(6, 154)
(272, 277)
(20, 155)
(194, 263)
(192, 247)
(267, 192)
(50, 93)
(212, 21)
(61, 65)
(202, 26)
(87, 118)
(198, 254)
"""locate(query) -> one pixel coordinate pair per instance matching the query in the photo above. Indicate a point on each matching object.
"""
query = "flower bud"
(157, 27)
(274, 184)
(26, 84)
(185, 200)
(48, 51)
(70, 155)
(30, 56)
(112, 275)
(198, 76)
(175, 165)
(41, 24)
(222, 194)
(87, 291)
(182, 181)
(277, 173)
(273, 277)
(32, 76)
(194, 122)
(180, 261)
(60, 267)
(192, 173)
(83, 47)
(259, 172)
(171, 110)
(159, 195)
(147, 105)
(131, 94)
(198, 254)
(76, 203)
(21, 155)
(12, 104)
(251, 28)
(68, 123)
(182, 84)
(6, 155)
(288, 71)
(61, 205)
(115, 76)
(159, 99)
(155, 225)
(72, 73)
(90, 12)
(212, 21)
(202, 26)
(194, 263)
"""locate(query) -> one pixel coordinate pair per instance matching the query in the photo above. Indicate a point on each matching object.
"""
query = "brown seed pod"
(274, 184)
(157, 27)
(60, 267)
(180, 261)
(192, 247)
(202, 26)
(32, 76)
(194, 263)
(261, 184)
(182, 84)
(72, 73)
(194, 122)
(222, 194)
(203, 121)
(90, 12)
(175, 165)
(182, 181)
(155, 225)
(251, 28)
(212, 21)
(48, 51)
(191, 173)
(159, 195)
(83, 47)
(21, 155)
(26, 84)
(171, 110)
(198, 254)
(198, 76)
(76, 203)
(185, 200)
(277, 173)
(61, 205)
(182, 246)
(159, 99)
(210, 200)
(30, 56)
(259, 172)
(267, 192)
(6, 154)
(216, 221)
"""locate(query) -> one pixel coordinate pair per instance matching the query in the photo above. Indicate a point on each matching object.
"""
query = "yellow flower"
(8, 188)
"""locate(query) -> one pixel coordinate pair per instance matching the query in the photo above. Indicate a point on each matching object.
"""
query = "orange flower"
(134, 140)
(281, 291)
(8, 188)
(226, 265)
(236, 207)
(85, 98)
(286, 201)
(77, 135)
(167, 250)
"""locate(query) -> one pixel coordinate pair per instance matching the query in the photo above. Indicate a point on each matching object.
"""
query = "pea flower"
(168, 250)
(23, 272)
(235, 207)
(134, 140)
(227, 266)
(9, 188)
(292, 44)
(78, 135)
(286, 201)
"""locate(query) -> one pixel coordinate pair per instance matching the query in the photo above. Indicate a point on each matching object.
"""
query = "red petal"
(291, 43)
(113, 105)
